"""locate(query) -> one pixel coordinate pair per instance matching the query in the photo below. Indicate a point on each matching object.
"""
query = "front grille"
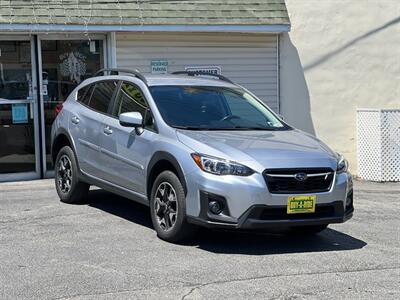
(283, 181)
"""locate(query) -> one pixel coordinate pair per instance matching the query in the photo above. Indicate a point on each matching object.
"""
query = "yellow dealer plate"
(301, 204)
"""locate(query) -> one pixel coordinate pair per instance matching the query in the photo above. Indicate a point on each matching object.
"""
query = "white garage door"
(249, 60)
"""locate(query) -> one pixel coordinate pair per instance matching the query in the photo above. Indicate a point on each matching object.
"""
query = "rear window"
(102, 95)
(85, 93)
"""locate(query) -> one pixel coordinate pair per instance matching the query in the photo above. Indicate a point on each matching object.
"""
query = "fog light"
(215, 207)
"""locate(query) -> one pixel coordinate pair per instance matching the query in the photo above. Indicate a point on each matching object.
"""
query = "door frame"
(33, 105)
(63, 37)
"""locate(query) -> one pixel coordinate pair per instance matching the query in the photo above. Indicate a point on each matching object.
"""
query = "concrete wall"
(339, 56)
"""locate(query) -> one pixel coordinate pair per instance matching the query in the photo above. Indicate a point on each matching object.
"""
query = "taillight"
(58, 109)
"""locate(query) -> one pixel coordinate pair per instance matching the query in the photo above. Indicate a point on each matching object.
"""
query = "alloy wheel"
(64, 174)
(166, 206)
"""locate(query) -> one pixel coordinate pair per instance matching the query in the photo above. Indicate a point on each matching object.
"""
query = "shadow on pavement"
(120, 207)
(231, 242)
(269, 243)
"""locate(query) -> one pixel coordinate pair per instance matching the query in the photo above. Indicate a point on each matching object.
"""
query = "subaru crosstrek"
(199, 151)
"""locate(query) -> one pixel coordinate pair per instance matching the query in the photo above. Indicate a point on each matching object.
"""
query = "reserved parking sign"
(159, 66)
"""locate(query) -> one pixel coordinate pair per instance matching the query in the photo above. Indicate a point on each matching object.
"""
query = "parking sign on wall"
(159, 66)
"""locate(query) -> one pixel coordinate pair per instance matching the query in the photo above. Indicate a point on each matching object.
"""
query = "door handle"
(107, 130)
(75, 120)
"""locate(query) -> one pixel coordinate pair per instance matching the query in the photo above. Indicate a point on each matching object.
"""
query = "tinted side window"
(130, 99)
(101, 96)
(85, 93)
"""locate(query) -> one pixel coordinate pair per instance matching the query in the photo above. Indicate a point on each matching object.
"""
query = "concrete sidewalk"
(106, 249)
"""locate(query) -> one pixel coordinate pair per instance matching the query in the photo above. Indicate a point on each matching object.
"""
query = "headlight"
(342, 165)
(218, 166)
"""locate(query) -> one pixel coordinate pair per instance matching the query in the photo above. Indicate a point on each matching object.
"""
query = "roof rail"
(114, 71)
(195, 73)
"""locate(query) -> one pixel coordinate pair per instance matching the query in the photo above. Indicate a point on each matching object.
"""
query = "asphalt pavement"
(107, 249)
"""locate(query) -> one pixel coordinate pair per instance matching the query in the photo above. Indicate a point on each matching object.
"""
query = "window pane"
(102, 95)
(239, 107)
(130, 99)
(213, 108)
(189, 106)
(17, 146)
(17, 129)
(85, 93)
(15, 70)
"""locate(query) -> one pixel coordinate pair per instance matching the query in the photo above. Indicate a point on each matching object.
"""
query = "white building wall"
(247, 59)
(339, 56)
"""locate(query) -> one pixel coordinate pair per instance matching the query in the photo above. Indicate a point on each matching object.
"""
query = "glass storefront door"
(55, 63)
(19, 155)
(64, 64)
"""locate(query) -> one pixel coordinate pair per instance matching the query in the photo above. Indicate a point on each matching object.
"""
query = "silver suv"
(200, 151)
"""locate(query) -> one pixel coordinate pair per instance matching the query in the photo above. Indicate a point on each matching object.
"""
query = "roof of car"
(168, 79)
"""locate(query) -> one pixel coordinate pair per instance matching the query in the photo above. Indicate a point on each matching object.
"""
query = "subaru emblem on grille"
(300, 176)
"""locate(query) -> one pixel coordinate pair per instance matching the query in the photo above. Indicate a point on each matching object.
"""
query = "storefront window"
(17, 138)
(15, 70)
(65, 64)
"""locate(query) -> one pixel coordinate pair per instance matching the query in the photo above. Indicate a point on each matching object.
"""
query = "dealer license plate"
(301, 204)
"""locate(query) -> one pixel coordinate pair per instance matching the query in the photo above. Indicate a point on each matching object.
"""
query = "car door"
(124, 151)
(85, 123)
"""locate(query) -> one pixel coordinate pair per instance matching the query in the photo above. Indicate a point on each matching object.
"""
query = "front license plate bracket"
(301, 204)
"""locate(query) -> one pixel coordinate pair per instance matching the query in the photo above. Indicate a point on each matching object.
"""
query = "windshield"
(213, 108)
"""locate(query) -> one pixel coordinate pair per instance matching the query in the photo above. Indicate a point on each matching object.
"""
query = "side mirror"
(131, 119)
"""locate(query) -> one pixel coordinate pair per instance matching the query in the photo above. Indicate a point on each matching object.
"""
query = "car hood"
(262, 149)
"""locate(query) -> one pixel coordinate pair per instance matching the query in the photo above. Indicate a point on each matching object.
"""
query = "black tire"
(308, 230)
(180, 229)
(77, 190)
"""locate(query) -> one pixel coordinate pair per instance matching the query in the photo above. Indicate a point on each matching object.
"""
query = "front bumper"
(249, 205)
(257, 217)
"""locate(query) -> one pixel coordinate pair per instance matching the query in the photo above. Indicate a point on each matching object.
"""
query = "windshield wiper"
(190, 128)
(225, 128)
(254, 128)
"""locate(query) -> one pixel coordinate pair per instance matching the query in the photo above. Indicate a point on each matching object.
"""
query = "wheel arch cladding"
(162, 161)
(62, 139)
